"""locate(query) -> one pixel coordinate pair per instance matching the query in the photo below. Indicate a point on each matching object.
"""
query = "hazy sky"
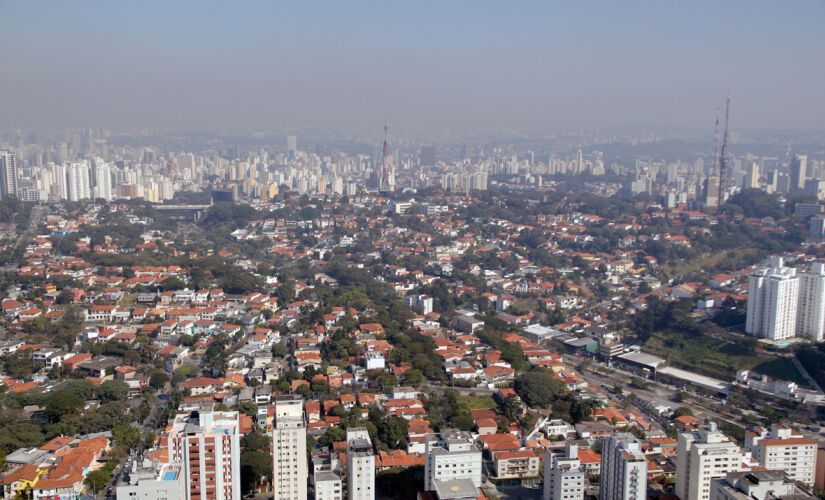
(420, 65)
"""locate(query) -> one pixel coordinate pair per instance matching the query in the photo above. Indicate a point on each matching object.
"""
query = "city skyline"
(424, 67)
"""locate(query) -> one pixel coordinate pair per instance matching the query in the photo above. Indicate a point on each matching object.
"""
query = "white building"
(563, 475)
(623, 469)
(206, 444)
(452, 454)
(154, 481)
(103, 181)
(360, 465)
(78, 181)
(773, 294)
(783, 449)
(702, 456)
(756, 485)
(289, 443)
(810, 319)
(374, 360)
(328, 486)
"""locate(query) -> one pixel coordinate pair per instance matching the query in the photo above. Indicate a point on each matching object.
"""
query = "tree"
(248, 408)
(255, 441)
(279, 350)
(332, 435)
(61, 404)
(538, 389)
(682, 411)
(158, 379)
(97, 479)
(255, 465)
(113, 390)
(125, 435)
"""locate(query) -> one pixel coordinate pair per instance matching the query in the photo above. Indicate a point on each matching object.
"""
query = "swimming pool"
(170, 475)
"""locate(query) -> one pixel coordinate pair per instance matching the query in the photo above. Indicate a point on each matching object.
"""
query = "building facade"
(289, 461)
(623, 468)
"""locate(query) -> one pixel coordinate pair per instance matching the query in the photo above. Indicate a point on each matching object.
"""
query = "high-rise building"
(752, 176)
(360, 465)
(799, 173)
(773, 294)
(8, 174)
(78, 181)
(291, 146)
(712, 191)
(451, 455)
(623, 468)
(289, 455)
(783, 449)
(207, 445)
(817, 227)
(103, 182)
(563, 474)
(702, 456)
(427, 156)
(810, 317)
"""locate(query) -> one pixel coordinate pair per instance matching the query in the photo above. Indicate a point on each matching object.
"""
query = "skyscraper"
(289, 449)
(752, 176)
(700, 457)
(291, 146)
(207, 445)
(773, 294)
(623, 468)
(360, 465)
(103, 181)
(810, 318)
(8, 174)
(78, 181)
(799, 173)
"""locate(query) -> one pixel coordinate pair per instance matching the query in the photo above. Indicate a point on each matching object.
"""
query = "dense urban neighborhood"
(406, 339)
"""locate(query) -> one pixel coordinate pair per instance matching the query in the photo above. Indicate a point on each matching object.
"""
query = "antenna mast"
(723, 157)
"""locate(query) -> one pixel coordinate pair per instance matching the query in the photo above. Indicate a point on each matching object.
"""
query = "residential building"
(623, 468)
(701, 456)
(328, 486)
(360, 465)
(563, 474)
(810, 320)
(450, 455)
(289, 480)
(773, 294)
(8, 174)
(206, 443)
(153, 481)
(757, 485)
(783, 449)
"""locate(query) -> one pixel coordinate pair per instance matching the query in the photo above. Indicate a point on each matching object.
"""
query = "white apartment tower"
(206, 444)
(563, 475)
(103, 181)
(452, 454)
(773, 295)
(8, 174)
(810, 320)
(623, 468)
(780, 448)
(360, 465)
(701, 456)
(289, 449)
(77, 181)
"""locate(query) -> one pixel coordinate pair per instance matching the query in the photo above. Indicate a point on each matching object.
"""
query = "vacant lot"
(718, 358)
